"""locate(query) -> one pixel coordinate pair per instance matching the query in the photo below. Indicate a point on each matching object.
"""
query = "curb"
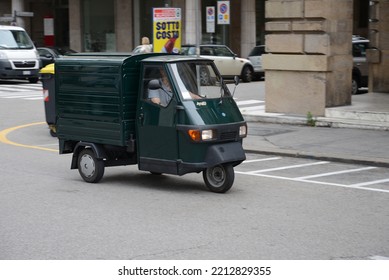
(307, 155)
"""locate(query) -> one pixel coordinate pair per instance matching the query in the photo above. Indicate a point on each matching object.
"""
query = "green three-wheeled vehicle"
(167, 113)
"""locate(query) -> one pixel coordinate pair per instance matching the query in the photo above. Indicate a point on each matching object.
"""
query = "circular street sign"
(223, 8)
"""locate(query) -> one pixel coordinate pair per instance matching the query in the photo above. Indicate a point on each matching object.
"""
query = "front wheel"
(91, 168)
(247, 74)
(219, 178)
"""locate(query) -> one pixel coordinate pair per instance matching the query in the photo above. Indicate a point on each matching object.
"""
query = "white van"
(19, 58)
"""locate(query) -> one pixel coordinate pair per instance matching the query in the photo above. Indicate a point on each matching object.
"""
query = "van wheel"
(90, 168)
(219, 178)
(355, 85)
(247, 74)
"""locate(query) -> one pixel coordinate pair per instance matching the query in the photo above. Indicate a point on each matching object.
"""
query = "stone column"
(310, 64)
(378, 56)
(18, 6)
(123, 26)
(248, 27)
(190, 22)
(75, 25)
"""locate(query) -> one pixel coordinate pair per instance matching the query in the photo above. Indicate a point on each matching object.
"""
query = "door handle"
(141, 118)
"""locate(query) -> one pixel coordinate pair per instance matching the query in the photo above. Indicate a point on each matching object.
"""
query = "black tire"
(53, 133)
(355, 85)
(53, 130)
(90, 168)
(219, 178)
(247, 74)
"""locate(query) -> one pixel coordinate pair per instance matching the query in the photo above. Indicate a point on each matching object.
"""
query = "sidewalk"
(357, 133)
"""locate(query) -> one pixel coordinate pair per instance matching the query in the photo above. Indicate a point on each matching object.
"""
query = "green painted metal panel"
(93, 104)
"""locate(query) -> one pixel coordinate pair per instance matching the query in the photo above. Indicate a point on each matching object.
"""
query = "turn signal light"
(198, 135)
(195, 135)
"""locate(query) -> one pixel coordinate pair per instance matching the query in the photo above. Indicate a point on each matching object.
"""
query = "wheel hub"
(217, 175)
(87, 166)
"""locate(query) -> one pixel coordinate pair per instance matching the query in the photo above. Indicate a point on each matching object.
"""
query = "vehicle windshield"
(14, 39)
(188, 50)
(198, 80)
(359, 49)
(257, 51)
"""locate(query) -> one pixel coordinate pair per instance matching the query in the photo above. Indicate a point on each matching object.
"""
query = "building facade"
(308, 38)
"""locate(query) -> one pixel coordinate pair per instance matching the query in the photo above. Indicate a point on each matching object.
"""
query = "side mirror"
(154, 84)
(236, 80)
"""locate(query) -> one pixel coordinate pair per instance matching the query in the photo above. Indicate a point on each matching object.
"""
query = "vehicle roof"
(10, 27)
(204, 45)
(119, 58)
(173, 58)
(357, 38)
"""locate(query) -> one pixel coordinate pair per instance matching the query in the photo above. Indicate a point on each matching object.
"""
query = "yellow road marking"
(5, 132)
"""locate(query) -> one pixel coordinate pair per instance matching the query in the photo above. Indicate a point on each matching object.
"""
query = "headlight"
(243, 131)
(207, 134)
(3, 55)
(201, 135)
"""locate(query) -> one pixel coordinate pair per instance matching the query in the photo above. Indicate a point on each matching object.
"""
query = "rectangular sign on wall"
(167, 30)
(48, 31)
(210, 19)
(223, 12)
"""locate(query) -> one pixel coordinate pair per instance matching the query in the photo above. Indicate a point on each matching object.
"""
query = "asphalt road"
(48, 212)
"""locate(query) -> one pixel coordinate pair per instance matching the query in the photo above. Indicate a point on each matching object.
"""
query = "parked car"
(255, 57)
(360, 67)
(48, 55)
(141, 48)
(227, 62)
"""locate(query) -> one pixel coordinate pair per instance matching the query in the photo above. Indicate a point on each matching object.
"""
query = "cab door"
(156, 129)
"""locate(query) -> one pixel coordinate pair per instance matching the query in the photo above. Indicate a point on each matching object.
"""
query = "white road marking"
(20, 96)
(370, 183)
(288, 167)
(335, 173)
(262, 159)
(355, 186)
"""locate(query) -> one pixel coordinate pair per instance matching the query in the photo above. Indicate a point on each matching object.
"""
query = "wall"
(378, 57)
(310, 63)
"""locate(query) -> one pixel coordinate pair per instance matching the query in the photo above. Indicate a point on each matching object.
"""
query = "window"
(99, 26)
(359, 49)
(15, 39)
(198, 80)
(157, 87)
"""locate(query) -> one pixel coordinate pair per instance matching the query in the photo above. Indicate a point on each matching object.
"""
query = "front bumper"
(8, 72)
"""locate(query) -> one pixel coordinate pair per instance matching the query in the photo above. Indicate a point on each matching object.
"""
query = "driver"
(162, 95)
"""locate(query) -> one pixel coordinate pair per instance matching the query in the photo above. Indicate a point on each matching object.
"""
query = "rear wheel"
(219, 178)
(247, 74)
(90, 168)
